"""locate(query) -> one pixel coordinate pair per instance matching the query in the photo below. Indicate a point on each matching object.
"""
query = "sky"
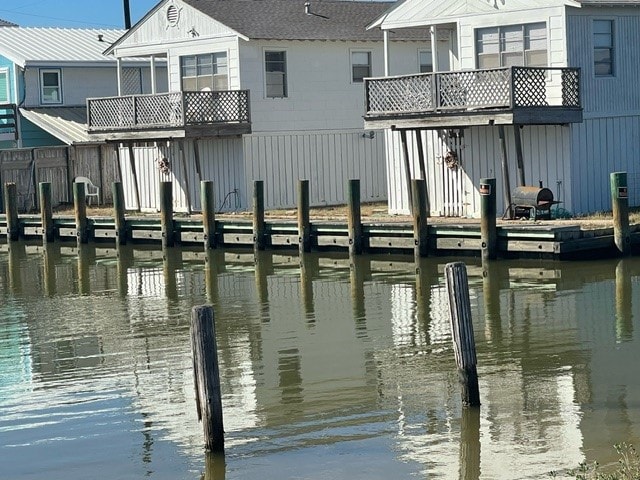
(72, 13)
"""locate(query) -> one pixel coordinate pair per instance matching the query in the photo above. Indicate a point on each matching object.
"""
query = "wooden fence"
(58, 166)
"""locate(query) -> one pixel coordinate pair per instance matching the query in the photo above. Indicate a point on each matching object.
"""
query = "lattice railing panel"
(168, 110)
(111, 113)
(530, 87)
(407, 94)
(164, 110)
(511, 87)
(228, 106)
(473, 89)
(570, 87)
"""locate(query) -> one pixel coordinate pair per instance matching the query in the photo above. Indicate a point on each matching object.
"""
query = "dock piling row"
(484, 238)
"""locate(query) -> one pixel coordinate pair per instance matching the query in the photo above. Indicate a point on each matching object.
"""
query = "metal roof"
(4, 23)
(68, 124)
(288, 20)
(60, 46)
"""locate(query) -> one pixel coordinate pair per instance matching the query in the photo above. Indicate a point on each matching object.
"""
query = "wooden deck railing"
(8, 121)
(506, 88)
(167, 110)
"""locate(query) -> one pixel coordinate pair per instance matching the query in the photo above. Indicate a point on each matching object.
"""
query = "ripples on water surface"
(327, 371)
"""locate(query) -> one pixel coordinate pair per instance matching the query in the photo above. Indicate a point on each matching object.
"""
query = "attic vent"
(173, 15)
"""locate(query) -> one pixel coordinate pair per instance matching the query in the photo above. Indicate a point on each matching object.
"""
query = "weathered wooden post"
(488, 213)
(11, 211)
(462, 331)
(80, 210)
(208, 214)
(207, 377)
(624, 302)
(166, 214)
(470, 443)
(620, 201)
(354, 218)
(119, 213)
(304, 222)
(46, 212)
(259, 239)
(506, 185)
(420, 227)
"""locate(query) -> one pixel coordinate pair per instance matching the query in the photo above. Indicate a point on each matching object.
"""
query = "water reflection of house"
(328, 353)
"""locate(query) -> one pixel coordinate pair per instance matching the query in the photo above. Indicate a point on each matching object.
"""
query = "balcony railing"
(500, 88)
(168, 110)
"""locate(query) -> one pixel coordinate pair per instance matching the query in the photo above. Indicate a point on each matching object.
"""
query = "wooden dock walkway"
(445, 236)
(346, 229)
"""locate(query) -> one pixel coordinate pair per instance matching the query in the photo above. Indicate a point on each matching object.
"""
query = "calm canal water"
(327, 371)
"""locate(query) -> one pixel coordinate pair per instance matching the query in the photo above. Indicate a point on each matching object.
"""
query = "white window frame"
(285, 73)
(41, 74)
(7, 73)
(430, 55)
(501, 52)
(613, 46)
(352, 65)
(213, 75)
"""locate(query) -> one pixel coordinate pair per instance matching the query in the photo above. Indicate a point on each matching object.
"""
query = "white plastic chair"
(90, 190)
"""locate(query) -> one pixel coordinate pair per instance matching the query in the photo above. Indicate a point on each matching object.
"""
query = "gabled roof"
(4, 23)
(287, 20)
(410, 13)
(56, 46)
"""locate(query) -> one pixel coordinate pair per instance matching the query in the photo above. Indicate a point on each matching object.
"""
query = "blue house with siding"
(46, 75)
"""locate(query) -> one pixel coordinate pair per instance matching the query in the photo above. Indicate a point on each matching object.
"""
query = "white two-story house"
(557, 77)
(266, 90)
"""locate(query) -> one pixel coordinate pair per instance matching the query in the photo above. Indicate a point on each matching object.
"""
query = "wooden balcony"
(8, 122)
(170, 115)
(507, 96)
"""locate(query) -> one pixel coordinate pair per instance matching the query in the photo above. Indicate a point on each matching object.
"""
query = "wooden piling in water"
(207, 377)
(119, 213)
(11, 211)
(46, 212)
(259, 239)
(488, 231)
(208, 214)
(620, 203)
(166, 214)
(354, 218)
(420, 226)
(462, 332)
(80, 211)
(304, 218)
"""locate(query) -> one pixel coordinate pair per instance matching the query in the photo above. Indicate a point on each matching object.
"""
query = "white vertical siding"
(221, 161)
(602, 146)
(327, 159)
(453, 192)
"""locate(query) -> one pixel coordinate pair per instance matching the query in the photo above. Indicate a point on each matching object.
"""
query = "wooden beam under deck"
(461, 119)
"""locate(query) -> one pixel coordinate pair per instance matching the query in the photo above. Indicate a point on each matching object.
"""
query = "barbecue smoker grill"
(532, 202)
